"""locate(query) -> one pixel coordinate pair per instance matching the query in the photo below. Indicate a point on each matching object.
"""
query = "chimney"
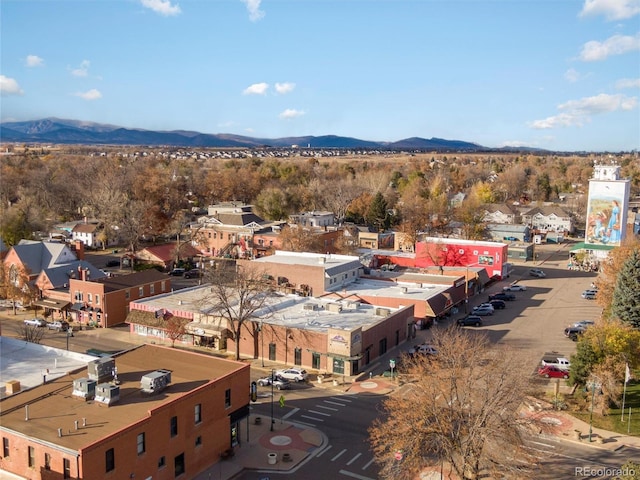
(83, 274)
(79, 248)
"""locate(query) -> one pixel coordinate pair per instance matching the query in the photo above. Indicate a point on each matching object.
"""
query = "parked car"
(553, 372)
(58, 325)
(536, 272)
(516, 287)
(583, 323)
(573, 332)
(295, 374)
(502, 296)
(35, 322)
(484, 305)
(277, 381)
(424, 349)
(555, 361)
(473, 320)
(193, 273)
(113, 263)
(589, 294)
(177, 272)
(482, 311)
(498, 304)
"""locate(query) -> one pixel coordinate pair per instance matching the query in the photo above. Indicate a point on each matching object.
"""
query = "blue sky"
(554, 74)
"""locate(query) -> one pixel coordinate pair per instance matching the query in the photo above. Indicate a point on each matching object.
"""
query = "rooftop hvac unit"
(101, 369)
(155, 382)
(353, 305)
(404, 289)
(310, 306)
(84, 388)
(107, 393)
(382, 312)
(334, 307)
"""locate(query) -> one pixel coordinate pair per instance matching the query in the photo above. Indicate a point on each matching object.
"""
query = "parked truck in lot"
(556, 361)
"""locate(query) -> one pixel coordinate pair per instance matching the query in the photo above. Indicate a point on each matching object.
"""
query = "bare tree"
(460, 409)
(30, 333)
(175, 327)
(238, 295)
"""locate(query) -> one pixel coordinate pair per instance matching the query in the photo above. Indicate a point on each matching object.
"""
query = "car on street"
(505, 296)
(470, 320)
(193, 273)
(482, 311)
(552, 372)
(35, 322)
(293, 374)
(516, 287)
(423, 349)
(177, 272)
(498, 304)
(589, 294)
(278, 382)
(58, 325)
(536, 272)
(574, 332)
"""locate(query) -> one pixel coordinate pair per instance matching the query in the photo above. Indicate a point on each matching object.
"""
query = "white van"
(560, 362)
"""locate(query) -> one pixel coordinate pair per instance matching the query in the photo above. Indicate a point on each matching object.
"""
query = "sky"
(561, 75)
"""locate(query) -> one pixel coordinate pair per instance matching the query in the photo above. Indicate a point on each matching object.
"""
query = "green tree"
(377, 214)
(625, 303)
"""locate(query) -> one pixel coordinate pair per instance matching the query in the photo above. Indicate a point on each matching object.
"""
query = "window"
(162, 462)
(178, 465)
(5, 447)
(47, 461)
(127, 294)
(272, 352)
(140, 443)
(141, 291)
(78, 296)
(32, 456)
(297, 356)
(198, 441)
(315, 361)
(89, 298)
(163, 285)
(227, 398)
(97, 299)
(174, 426)
(152, 289)
(66, 468)
(198, 413)
(109, 460)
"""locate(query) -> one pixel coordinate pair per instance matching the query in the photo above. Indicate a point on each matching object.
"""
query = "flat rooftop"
(305, 258)
(52, 405)
(412, 286)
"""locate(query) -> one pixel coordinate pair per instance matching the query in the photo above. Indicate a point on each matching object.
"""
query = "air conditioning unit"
(310, 306)
(107, 393)
(383, 312)
(101, 369)
(155, 382)
(334, 307)
(84, 388)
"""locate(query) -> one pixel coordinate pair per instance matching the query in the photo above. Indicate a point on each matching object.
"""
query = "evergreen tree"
(377, 214)
(625, 303)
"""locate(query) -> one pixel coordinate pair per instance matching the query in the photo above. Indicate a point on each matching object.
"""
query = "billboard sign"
(606, 212)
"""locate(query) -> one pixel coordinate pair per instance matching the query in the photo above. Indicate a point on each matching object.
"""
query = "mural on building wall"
(606, 213)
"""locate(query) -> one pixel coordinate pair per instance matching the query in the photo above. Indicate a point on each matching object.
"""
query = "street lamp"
(262, 341)
(272, 379)
(69, 333)
(594, 385)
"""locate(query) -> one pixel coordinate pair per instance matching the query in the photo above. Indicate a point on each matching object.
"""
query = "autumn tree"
(295, 238)
(175, 327)
(238, 295)
(610, 267)
(625, 303)
(459, 408)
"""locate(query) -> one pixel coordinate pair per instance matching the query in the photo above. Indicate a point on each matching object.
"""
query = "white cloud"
(256, 89)
(285, 87)
(579, 112)
(92, 94)
(8, 86)
(290, 113)
(611, 9)
(163, 7)
(628, 83)
(82, 70)
(514, 144)
(253, 7)
(34, 61)
(616, 45)
(572, 75)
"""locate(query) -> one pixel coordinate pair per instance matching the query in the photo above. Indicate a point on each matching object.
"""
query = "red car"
(552, 372)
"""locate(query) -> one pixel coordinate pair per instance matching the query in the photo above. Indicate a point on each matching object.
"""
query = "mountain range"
(61, 131)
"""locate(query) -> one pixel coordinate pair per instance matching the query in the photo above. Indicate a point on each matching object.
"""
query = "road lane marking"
(335, 403)
(354, 459)
(313, 418)
(368, 464)
(338, 455)
(290, 413)
(327, 408)
(320, 413)
(342, 399)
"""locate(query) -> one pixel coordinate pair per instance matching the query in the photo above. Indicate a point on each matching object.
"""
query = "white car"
(516, 287)
(294, 374)
(484, 306)
(536, 272)
(35, 322)
(424, 349)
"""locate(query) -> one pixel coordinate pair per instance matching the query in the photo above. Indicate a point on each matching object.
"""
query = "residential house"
(168, 255)
(504, 232)
(104, 302)
(500, 213)
(113, 427)
(313, 219)
(548, 218)
(87, 233)
(376, 240)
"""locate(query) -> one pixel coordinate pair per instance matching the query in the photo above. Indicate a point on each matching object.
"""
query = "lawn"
(613, 422)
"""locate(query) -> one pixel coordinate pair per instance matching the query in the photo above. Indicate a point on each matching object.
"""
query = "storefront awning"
(204, 329)
(53, 304)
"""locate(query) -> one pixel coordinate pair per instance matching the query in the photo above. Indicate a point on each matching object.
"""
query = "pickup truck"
(560, 362)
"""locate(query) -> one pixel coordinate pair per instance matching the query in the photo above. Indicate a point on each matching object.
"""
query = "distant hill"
(60, 131)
